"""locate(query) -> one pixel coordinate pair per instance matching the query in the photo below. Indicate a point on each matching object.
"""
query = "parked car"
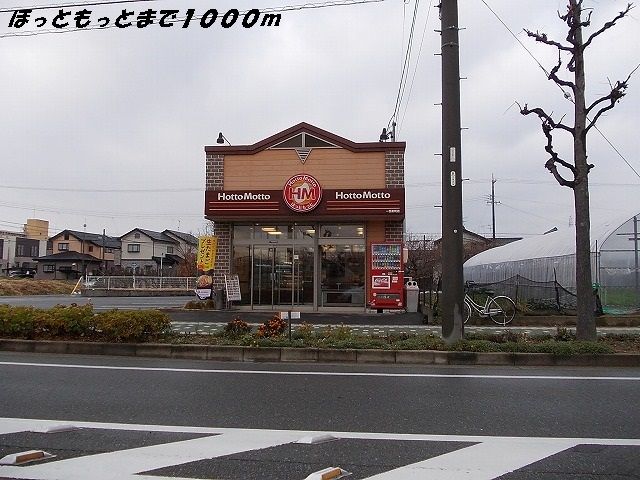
(21, 274)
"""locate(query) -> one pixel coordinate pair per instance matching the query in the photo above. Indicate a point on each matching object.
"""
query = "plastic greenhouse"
(542, 268)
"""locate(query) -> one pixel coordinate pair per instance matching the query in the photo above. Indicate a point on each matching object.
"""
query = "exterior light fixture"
(221, 139)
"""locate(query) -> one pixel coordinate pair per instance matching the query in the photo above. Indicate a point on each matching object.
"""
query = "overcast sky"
(88, 117)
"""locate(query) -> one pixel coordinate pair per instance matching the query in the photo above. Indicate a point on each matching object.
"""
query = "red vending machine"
(387, 276)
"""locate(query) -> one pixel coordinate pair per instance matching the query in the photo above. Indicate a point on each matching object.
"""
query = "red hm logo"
(302, 193)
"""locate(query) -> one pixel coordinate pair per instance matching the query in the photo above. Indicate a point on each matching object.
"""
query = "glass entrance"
(282, 276)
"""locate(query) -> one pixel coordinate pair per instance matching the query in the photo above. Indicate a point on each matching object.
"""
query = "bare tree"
(575, 175)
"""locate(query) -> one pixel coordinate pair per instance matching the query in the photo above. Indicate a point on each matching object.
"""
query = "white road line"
(127, 463)
(483, 461)
(490, 458)
(327, 374)
(38, 425)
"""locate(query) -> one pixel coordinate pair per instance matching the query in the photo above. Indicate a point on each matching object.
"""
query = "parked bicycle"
(501, 309)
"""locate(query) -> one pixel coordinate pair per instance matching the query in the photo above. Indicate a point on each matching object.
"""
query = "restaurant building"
(296, 214)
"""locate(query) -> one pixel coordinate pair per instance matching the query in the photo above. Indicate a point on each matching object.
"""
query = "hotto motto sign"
(302, 193)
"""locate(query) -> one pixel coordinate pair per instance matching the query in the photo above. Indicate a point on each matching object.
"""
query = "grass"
(29, 286)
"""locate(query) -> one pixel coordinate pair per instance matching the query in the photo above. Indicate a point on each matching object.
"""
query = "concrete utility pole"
(452, 255)
(493, 207)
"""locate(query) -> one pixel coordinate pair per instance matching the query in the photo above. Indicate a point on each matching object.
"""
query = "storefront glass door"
(282, 276)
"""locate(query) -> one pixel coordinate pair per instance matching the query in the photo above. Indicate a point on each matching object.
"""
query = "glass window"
(305, 233)
(48, 268)
(242, 266)
(63, 247)
(20, 251)
(133, 248)
(292, 142)
(34, 250)
(343, 274)
(273, 233)
(136, 235)
(169, 249)
(311, 141)
(243, 232)
(342, 231)
(90, 248)
(66, 236)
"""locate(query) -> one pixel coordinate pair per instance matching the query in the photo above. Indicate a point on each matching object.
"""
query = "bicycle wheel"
(466, 312)
(501, 310)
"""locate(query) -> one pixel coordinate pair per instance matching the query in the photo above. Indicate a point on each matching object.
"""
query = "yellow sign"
(207, 248)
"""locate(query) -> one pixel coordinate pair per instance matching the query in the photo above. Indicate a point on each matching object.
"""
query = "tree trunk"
(586, 325)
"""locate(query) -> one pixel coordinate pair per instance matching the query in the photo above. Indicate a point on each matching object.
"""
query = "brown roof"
(306, 128)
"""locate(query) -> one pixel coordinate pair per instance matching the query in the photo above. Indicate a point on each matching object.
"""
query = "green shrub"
(563, 334)
(305, 331)
(131, 326)
(17, 322)
(65, 321)
(237, 328)
(194, 305)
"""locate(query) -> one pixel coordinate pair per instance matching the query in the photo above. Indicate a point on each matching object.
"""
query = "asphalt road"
(393, 422)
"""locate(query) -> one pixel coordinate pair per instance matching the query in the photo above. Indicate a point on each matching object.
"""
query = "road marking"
(327, 374)
(477, 462)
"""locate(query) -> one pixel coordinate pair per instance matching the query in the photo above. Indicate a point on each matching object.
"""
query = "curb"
(318, 355)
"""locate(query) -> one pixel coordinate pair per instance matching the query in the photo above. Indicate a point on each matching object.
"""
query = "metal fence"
(140, 283)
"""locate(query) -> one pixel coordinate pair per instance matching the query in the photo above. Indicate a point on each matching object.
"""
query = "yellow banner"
(207, 248)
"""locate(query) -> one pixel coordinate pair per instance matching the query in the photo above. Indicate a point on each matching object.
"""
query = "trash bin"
(218, 299)
(412, 292)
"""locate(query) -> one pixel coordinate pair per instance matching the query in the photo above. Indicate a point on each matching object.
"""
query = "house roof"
(95, 238)
(156, 236)
(305, 128)
(474, 236)
(68, 256)
(185, 237)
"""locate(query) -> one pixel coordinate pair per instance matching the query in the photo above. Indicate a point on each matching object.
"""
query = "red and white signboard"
(302, 193)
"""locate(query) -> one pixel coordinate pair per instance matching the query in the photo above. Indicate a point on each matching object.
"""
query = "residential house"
(17, 249)
(105, 249)
(146, 252)
(67, 265)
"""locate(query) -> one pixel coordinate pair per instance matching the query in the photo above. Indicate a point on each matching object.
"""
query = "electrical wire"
(73, 5)
(285, 8)
(104, 190)
(415, 70)
(565, 93)
(407, 59)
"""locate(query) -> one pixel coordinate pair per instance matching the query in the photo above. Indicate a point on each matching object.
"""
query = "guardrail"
(140, 283)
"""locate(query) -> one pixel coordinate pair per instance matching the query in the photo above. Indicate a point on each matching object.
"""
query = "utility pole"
(452, 252)
(493, 207)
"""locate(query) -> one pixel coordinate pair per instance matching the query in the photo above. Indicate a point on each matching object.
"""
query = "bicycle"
(500, 309)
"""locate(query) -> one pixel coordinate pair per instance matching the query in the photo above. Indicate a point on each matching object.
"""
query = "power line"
(407, 59)
(104, 190)
(415, 70)
(566, 94)
(73, 5)
(285, 8)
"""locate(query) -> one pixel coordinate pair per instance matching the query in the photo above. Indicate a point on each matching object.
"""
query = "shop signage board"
(232, 285)
(207, 249)
(382, 203)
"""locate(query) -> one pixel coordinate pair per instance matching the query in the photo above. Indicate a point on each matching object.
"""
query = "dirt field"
(28, 286)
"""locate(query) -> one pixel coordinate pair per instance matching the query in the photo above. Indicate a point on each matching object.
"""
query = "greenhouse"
(541, 270)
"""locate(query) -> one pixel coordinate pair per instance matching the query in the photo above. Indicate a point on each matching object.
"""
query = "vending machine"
(387, 276)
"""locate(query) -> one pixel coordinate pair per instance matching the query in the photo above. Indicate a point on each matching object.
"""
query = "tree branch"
(545, 117)
(553, 75)
(542, 38)
(617, 92)
(548, 125)
(608, 25)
